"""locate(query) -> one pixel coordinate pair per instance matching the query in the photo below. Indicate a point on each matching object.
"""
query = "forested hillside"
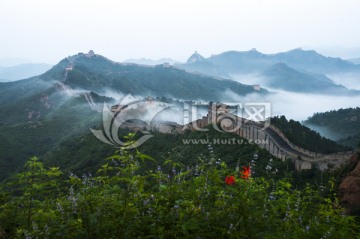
(305, 137)
(167, 199)
(342, 125)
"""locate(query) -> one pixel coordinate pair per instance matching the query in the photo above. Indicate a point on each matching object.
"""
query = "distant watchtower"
(91, 53)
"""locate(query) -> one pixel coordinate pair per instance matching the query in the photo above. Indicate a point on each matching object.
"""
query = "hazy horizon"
(47, 31)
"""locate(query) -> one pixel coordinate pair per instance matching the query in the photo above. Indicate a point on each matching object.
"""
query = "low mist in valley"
(296, 106)
(349, 80)
(299, 106)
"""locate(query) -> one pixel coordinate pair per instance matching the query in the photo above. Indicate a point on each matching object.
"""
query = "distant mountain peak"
(88, 58)
(302, 52)
(279, 67)
(196, 57)
(238, 55)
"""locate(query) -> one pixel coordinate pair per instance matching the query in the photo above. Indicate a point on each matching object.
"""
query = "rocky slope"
(349, 189)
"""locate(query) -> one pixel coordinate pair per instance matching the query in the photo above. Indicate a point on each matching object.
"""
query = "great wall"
(274, 140)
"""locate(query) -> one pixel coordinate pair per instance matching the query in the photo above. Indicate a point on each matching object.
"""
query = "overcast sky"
(49, 30)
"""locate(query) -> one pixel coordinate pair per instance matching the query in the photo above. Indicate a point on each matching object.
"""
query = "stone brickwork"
(275, 142)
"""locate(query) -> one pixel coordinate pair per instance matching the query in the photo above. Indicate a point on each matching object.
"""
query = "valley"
(179, 119)
(84, 108)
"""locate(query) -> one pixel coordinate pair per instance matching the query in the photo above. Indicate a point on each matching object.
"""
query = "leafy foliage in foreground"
(167, 201)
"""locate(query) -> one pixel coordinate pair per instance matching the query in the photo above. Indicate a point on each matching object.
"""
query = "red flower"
(230, 180)
(246, 173)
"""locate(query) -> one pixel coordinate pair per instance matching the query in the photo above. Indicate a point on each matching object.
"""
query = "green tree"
(129, 198)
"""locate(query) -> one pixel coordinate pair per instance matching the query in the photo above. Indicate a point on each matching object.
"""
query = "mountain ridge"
(284, 77)
(93, 72)
(311, 68)
(22, 71)
(296, 58)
